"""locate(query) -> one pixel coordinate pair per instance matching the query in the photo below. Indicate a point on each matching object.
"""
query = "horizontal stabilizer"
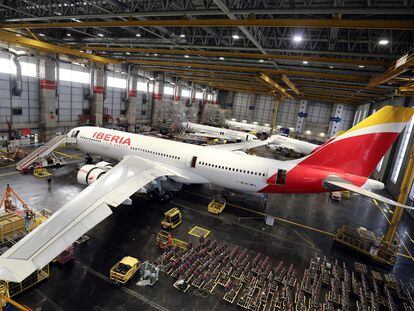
(348, 186)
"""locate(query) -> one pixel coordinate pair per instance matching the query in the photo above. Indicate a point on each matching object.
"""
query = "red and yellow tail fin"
(358, 150)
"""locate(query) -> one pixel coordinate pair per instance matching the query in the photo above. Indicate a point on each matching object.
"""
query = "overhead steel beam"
(313, 59)
(279, 11)
(52, 48)
(283, 22)
(243, 29)
(282, 91)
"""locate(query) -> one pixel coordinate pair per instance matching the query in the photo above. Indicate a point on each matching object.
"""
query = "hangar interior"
(307, 70)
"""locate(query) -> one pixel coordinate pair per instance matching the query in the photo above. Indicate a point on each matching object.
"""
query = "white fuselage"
(248, 127)
(235, 171)
(218, 132)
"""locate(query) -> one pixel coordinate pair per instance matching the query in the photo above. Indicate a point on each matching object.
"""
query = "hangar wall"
(259, 108)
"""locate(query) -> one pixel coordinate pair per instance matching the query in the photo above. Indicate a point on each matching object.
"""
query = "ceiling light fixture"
(41, 34)
(235, 37)
(138, 35)
(305, 62)
(18, 35)
(221, 58)
(100, 35)
(182, 35)
(68, 35)
(331, 66)
(261, 60)
(155, 54)
(383, 42)
(186, 56)
(127, 53)
(297, 38)
(361, 66)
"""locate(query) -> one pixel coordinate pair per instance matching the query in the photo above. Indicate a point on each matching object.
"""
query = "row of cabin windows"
(91, 139)
(231, 169)
(157, 153)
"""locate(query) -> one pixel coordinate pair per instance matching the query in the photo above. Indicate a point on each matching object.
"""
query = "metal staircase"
(42, 152)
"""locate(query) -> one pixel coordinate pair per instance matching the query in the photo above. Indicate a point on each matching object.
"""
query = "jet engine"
(89, 173)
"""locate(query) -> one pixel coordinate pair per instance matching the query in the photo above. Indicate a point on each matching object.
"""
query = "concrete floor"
(304, 227)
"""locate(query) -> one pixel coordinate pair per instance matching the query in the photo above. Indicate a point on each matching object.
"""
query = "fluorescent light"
(221, 58)
(18, 35)
(75, 20)
(68, 35)
(331, 66)
(127, 53)
(361, 66)
(41, 34)
(182, 35)
(235, 37)
(100, 34)
(155, 54)
(297, 38)
(186, 56)
(138, 35)
(383, 42)
(305, 62)
(261, 60)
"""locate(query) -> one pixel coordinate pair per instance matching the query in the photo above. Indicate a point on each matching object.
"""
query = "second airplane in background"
(217, 132)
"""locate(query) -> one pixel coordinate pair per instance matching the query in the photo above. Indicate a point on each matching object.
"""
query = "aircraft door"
(276, 176)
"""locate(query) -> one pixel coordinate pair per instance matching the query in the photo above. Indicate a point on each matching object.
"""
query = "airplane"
(259, 129)
(216, 132)
(284, 142)
(300, 146)
(148, 163)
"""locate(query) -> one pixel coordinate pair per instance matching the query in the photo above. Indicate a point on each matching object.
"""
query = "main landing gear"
(160, 195)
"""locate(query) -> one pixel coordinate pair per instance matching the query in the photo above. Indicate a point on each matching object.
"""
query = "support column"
(47, 97)
(335, 124)
(302, 115)
(204, 109)
(96, 101)
(157, 100)
(252, 108)
(275, 111)
(132, 102)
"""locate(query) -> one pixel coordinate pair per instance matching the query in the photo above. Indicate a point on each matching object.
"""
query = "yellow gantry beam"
(397, 68)
(275, 22)
(51, 48)
(275, 85)
(314, 59)
(290, 84)
(191, 65)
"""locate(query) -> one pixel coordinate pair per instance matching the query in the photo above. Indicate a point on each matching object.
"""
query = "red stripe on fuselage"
(308, 179)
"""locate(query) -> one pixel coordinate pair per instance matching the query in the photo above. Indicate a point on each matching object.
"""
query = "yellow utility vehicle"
(172, 219)
(217, 205)
(124, 270)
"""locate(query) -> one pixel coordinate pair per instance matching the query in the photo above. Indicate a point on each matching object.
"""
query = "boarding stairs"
(43, 151)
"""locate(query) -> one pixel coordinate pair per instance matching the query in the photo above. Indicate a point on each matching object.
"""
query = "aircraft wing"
(211, 135)
(243, 145)
(351, 187)
(76, 217)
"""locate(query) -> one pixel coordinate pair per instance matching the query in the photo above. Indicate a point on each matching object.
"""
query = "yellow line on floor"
(305, 226)
(276, 218)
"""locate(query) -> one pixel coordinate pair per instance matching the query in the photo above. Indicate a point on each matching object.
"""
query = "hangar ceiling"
(335, 51)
